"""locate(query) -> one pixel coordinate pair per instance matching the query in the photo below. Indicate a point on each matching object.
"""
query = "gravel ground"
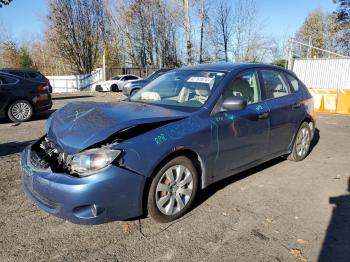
(279, 211)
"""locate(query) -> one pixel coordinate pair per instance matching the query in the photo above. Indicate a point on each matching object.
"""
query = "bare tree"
(76, 29)
(4, 2)
(148, 32)
(224, 26)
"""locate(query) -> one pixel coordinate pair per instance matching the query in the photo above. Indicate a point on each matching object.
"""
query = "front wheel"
(20, 111)
(302, 143)
(172, 190)
(114, 88)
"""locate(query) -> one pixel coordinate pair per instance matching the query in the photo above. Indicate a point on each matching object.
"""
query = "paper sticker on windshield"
(200, 79)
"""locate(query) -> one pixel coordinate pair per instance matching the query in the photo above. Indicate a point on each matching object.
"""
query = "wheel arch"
(191, 155)
(14, 99)
(312, 124)
(133, 89)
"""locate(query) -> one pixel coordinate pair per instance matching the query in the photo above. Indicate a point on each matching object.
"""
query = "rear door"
(7, 86)
(284, 109)
(240, 137)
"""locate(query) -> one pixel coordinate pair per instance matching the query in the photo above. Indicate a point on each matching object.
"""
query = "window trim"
(9, 84)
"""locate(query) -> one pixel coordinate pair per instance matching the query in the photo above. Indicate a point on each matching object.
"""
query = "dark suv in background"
(21, 98)
(30, 74)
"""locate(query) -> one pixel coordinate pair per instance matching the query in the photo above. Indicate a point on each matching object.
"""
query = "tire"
(134, 91)
(114, 88)
(302, 142)
(172, 190)
(20, 111)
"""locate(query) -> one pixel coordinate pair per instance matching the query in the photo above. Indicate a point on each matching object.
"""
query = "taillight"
(46, 80)
(42, 88)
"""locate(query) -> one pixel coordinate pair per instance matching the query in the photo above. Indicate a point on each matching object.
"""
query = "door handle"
(263, 115)
(296, 106)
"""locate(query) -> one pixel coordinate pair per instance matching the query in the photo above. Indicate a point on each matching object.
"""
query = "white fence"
(73, 83)
(324, 73)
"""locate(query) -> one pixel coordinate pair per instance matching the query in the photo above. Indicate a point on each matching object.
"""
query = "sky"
(281, 18)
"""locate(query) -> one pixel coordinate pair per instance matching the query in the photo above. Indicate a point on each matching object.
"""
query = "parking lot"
(279, 211)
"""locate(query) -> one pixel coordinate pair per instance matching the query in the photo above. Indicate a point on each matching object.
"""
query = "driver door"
(240, 137)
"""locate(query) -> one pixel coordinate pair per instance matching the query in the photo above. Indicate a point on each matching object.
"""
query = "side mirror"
(234, 103)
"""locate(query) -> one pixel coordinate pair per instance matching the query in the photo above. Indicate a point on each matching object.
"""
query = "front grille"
(98, 88)
(45, 154)
(38, 161)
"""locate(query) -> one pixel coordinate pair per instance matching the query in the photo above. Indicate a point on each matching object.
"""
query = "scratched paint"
(178, 130)
(259, 107)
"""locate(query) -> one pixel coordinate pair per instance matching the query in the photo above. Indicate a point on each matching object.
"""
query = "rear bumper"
(42, 102)
(111, 194)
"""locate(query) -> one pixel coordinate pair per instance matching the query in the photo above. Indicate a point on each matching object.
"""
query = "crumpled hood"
(77, 126)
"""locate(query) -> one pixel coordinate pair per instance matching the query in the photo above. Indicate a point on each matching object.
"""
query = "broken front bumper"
(111, 194)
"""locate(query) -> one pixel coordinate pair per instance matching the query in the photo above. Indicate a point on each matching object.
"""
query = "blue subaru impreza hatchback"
(187, 129)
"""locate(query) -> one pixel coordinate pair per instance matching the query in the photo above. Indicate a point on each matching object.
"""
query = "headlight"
(128, 85)
(92, 160)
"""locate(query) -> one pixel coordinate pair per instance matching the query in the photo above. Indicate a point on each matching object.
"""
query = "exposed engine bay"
(45, 154)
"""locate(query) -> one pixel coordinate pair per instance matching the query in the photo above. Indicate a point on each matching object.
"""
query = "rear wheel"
(302, 143)
(172, 190)
(20, 111)
(114, 88)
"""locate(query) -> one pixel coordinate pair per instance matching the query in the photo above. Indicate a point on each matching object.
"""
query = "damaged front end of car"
(46, 154)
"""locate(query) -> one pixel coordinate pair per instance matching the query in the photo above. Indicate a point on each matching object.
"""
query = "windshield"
(182, 88)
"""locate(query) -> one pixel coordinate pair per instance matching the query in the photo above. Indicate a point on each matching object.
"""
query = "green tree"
(76, 29)
(5, 2)
(280, 62)
(343, 26)
(25, 60)
(317, 30)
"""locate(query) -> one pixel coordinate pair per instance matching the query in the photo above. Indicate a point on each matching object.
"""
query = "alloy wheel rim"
(303, 142)
(174, 190)
(21, 111)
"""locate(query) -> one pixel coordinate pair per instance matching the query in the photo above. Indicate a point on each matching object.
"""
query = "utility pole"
(203, 17)
(308, 54)
(104, 65)
(290, 55)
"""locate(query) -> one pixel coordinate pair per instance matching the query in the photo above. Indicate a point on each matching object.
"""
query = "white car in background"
(116, 83)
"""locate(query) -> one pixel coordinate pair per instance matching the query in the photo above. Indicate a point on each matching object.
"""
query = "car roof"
(228, 67)
(10, 75)
(124, 75)
(20, 69)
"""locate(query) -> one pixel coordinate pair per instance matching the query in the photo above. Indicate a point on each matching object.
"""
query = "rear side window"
(4, 80)
(274, 83)
(294, 83)
(130, 78)
(34, 75)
